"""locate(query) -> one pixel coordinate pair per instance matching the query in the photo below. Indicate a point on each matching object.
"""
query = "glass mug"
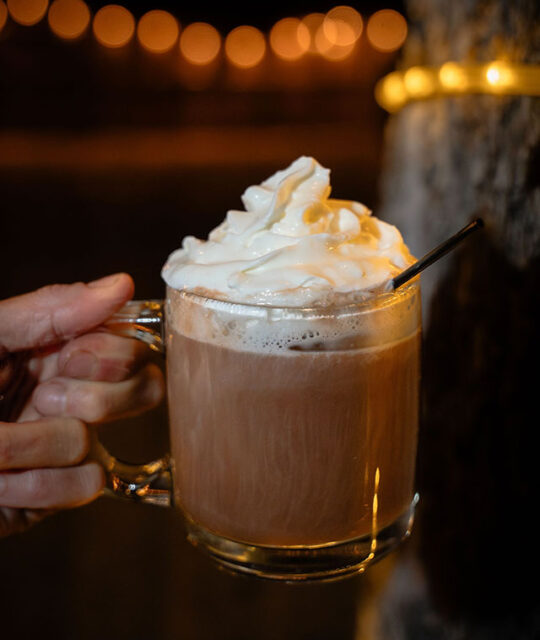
(293, 431)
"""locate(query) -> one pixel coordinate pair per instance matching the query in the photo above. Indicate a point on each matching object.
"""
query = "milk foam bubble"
(378, 321)
(292, 246)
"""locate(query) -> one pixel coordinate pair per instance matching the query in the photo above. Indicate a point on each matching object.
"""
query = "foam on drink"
(293, 245)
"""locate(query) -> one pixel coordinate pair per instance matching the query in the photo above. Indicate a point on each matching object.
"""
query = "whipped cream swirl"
(292, 246)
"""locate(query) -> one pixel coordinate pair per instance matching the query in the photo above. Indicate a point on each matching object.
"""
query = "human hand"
(59, 374)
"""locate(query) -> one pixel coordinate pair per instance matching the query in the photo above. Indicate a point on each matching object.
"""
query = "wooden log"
(447, 161)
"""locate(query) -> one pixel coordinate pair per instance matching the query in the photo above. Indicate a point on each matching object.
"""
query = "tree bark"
(447, 161)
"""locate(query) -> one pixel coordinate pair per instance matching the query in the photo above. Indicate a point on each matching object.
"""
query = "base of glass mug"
(327, 562)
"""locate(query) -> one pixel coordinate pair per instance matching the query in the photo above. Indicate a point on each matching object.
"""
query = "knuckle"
(88, 403)
(48, 318)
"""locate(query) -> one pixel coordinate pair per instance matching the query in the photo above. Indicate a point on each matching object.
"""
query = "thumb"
(58, 312)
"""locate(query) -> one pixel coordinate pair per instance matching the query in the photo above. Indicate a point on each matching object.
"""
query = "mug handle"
(150, 482)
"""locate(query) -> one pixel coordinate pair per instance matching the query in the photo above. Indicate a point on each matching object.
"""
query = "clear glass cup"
(293, 431)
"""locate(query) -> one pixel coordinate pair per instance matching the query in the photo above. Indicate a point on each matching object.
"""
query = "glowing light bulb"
(68, 18)
(113, 26)
(386, 30)
(343, 25)
(245, 47)
(419, 82)
(289, 38)
(452, 76)
(499, 75)
(313, 22)
(157, 31)
(27, 12)
(327, 48)
(390, 92)
(200, 43)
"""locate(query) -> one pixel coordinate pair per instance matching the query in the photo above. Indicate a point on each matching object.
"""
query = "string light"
(328, 43)
(343, 26)
(386, 30)
(68, 19)
(289, 39)
(452, 77)
(113, 26)
(398, 88)
(327, 49)
(245, 47)
(27, 12)
(332, 35)
(200, 43)
(312, 22)
(157, 31)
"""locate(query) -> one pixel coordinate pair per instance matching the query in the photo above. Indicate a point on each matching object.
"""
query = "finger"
(51, 488)
(100, 401)
(102, 357)
(58, 312)
(49, 442)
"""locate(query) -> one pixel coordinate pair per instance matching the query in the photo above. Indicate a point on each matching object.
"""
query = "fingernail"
(50, 398)
(81, 364)
(107, 281)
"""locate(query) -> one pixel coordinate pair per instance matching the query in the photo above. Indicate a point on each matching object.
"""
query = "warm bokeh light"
(200, 43)
(27, 12)
(386, 30)
(245, 47)
(68, 18)
(452, 76)
(327, 49)
(113, 26)
(390, 92)
(3, 14)
(419, 82)
(343, 26)
(157, 31)
(499, 75)
(289, 38)
(313, 22)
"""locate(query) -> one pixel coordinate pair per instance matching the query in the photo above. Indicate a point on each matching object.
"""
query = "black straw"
(435, 254)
